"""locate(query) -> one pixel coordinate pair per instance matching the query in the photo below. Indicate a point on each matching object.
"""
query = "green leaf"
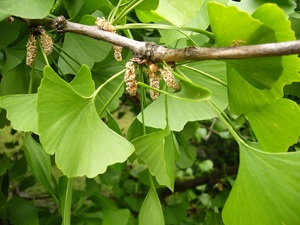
(178, 12)
(102, 71)
(151, 211)
(199, 21)
(103, 201)
(21, 111)
(77, 9)
(83, 83)
(144, 11)
(30, 9)
(276, 126)
(189, 91)
(116, 217)
(83, 49)
(158, 152)
(38, 161)
(14, 57)
(70, 127)
(19, 77)
(240, 26)
(22, 212)
(269, 186)
(181, 111)
(250, 6)
(243, 102)
(176, 213)
(11, 31)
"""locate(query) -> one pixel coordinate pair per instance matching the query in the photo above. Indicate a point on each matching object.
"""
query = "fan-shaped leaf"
(30, 9)
(157, 150)
(21, 111)
(38, 161)
(83, 49)
(151, 211)
(269, 186)
(181, 111)
(276, 126)
(242, 28)
(70, 127)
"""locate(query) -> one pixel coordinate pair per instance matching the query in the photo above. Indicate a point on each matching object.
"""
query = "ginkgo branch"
(159, 53)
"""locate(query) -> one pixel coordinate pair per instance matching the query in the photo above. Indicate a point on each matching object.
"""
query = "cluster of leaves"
(63, 105)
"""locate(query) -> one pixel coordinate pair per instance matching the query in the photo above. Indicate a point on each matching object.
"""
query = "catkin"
(103, 24)
(46, 42)
(169, 78)
(31, 50)
(117, 52)
(154, 80)
(130, 81)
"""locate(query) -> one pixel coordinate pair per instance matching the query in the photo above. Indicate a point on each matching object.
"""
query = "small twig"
(210, 179)
(211, 128)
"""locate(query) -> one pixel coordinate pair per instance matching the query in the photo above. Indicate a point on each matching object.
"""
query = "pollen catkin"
(46, 42)
(117, 52)
(154, 80)
(31, 50)
(131, 83)
(103, 24)
(169, 78)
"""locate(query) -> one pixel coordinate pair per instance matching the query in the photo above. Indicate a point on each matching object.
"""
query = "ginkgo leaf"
(243, 29)
(116, 217)
(71, 128)
(276, 126)
(38, 161)
(189, 91)
(158, 156)
(151, 211)
(245, 98)
(83, 82)
(21, 111)
(182, 110)
(179, 113)
(30, 9)
(83, 49)
(269, 186)
(176, 12)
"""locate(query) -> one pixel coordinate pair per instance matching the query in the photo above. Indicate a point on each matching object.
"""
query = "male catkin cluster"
(46, 43)
(169, 78)
(31, 48)
(130, 80)
(103, 24)
(154, 80)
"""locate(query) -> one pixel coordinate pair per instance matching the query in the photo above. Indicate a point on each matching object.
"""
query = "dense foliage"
(76, 148)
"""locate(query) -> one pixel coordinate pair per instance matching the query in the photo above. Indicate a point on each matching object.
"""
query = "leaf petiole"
(163, 27)
(106, 82)
(205, 74)
(111, 98)
(126, 10)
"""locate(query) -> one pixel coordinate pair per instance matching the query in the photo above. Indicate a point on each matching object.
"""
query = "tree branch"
(158, 53)
(211, 179)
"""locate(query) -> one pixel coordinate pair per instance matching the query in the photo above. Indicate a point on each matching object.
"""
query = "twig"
(158, 53)
(210, 179)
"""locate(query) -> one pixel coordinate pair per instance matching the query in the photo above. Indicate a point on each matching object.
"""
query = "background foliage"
(77, 149)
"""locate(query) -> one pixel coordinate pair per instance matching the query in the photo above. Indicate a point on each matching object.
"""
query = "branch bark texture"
(158, 53)
(211, 179)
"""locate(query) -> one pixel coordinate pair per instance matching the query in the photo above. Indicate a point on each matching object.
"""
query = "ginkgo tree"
(66, 66)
